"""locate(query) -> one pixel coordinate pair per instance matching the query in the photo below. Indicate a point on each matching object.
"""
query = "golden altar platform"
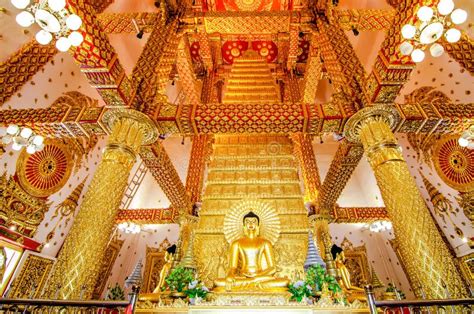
(294, 309)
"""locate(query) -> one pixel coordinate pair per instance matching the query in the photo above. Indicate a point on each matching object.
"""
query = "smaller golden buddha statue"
(251, 263)
(169, 259)
(344, 275)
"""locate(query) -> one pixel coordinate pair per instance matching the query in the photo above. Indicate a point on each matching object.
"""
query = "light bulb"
(43, 37)
(20, 4)
(406, 48)
(63, 44)
(436, 50)
(26, 133)
(56, 5)
(459, 16)
(38, 140)
(25, 19)
(16, 146)
(445, 7)
(12, 129)
(7, 139)
(75, 38)
(30, 149)
(73, 22)
(39, 147)
(453, 35)
(425, 13)
(417, 55)
(463, 142)
(3, 131)
(408, 31)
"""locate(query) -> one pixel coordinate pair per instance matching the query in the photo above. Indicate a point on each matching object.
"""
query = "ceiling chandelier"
(379, 226)
(467, 138)
(22, 137)
(431, 25)
(129, 227)
(53, 18)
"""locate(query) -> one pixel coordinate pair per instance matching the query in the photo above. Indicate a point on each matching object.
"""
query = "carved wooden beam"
(391, 70)
(117, 23)
(200, 152)
(462, 51)
(170, 215)
(20, 67)
(98, 59)
(359, 214)
(303, 150)
(187, 77)
(342, 64)
(160, 166)
(151, 73)
(342, 166)
(312, 75)
(148, 216)
(364, 19)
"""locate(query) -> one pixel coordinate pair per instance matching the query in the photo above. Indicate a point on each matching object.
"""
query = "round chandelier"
(54, 19)
(467, 138)
(379, 226)
(129, 227)
(21, 138)
(431, 25)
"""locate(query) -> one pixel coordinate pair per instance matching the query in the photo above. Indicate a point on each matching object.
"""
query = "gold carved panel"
(108, 262)
(154, 261)
(357, 263)
(31, 279)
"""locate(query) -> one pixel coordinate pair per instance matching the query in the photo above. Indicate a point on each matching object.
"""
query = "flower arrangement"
(300, 290)
(397, 292)
(196, 291)
(116, 293)
(317, 276)
(179, 278)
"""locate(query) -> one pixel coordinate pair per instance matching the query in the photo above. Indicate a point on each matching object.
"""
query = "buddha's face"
(251, 226)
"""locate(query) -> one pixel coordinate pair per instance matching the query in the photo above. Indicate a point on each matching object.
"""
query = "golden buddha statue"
(251, 262)
(169, 259)
(344, 280)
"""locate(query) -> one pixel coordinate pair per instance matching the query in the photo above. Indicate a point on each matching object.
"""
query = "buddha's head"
(251, 224)
(337, 253)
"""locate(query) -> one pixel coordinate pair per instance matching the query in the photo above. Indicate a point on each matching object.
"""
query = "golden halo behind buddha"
(269, 220)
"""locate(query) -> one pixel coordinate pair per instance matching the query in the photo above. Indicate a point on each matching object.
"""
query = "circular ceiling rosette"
(46, 172)
(454, 163)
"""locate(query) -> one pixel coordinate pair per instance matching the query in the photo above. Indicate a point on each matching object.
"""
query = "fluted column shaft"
(428, 261)
(77, 268)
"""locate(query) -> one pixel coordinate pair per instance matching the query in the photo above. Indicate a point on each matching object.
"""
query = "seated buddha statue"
(251, 262)
(344, 279)
(169, 259)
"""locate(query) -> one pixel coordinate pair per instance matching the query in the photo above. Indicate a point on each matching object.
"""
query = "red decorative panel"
(234, 49)
(303, 51)
(194, 49)
(246, 5)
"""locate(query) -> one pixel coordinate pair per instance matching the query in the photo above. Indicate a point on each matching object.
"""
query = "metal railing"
(433, 306)
(49, 306)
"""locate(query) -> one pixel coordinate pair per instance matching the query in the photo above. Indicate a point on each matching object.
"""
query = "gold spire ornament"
(188, 258)
(375, 280)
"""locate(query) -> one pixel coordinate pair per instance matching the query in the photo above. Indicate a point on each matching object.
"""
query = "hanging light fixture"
(467, 138)
(54, 19)
(431, 25)
(21, 138)
(129, 227)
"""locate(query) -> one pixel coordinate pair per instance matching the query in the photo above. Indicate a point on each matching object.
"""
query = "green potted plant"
(178, 280)
(321, 281)
(393, 293)
(300, 290)
(196, 292)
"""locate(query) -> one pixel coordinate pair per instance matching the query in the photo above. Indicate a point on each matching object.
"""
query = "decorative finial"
(188, 258)
(312, 257)
(135, 278)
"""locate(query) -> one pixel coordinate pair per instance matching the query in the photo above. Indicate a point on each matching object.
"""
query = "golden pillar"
(429, 263)
(77, 268)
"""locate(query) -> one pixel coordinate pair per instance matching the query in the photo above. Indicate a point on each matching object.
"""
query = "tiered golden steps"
(250, 81)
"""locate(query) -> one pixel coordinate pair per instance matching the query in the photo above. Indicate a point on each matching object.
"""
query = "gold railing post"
(421, 246)
(80, 258)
